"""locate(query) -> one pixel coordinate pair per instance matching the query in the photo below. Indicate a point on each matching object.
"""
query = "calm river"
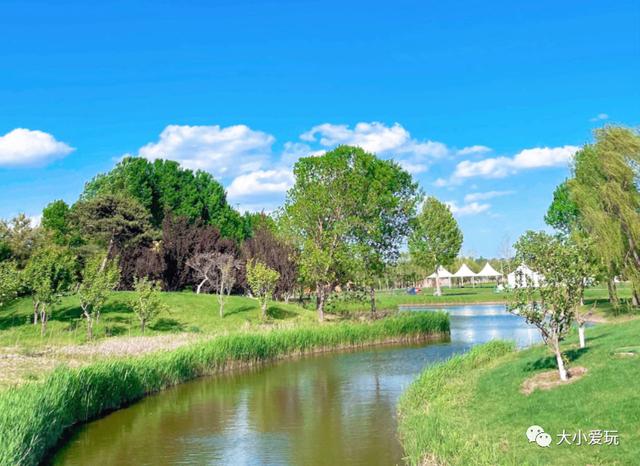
(331, 409)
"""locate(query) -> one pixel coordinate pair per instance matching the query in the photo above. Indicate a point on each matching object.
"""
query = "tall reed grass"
(430, 425)
(34, 417)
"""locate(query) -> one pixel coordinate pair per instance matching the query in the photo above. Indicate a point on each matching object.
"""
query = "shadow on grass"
(280, 314)
(238, 310)
(167, 325)
(549, 362)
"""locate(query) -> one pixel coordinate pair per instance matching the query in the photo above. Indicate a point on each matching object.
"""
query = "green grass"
(34, 417)
(188, 312)
(470, 410)
(484, 293)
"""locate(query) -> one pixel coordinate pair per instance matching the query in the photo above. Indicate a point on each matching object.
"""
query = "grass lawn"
(188, 312)
(471, 410)
(485, 293)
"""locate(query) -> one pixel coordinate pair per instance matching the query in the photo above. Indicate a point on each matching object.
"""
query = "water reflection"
(332, 409)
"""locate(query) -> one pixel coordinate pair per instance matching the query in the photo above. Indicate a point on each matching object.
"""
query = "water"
(331, 409)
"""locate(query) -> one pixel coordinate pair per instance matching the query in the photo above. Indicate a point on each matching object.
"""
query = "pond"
(330, 409)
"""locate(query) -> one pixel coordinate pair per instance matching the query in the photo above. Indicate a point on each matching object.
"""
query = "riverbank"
(474, 409)
(34, 417)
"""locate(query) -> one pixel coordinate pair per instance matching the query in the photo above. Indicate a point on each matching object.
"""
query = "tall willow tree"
(605, 190)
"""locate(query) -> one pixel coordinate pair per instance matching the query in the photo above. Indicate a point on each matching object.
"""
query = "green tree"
(551, 307)
(605, 190)
(10, 281)
(112, 219)
(347, 213)
(56, 219)
(94, 289)
(436, 238)
(18, 239)
(262, 281)
(563, 213)
(147, 303)
(162, 187)
(50, 273)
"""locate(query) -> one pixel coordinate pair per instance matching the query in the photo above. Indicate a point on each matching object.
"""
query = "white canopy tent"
(524, 276)
(465, 272)
(443, 275)
(489, 272)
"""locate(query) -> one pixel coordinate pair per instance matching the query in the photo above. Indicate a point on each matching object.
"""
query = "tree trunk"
(221, 302)
(287, 296)
(581, 334)
(264, 309)
(635, 298)
(438, 290)
(103, 266)
(372, 297)
(561, 369)
(613, 292)
(142, 322)
(200, 286)
(320, 300)
(36, 305)
(43, 321)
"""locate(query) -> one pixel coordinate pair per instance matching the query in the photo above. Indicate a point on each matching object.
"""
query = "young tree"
(551, 307)
(18, 239)
(436, 238)
(226, 266)
(204, 265)
(94, 290)
(113, 219)
(50, 273)
(147, 303)
(266, 246)
(262, 281)
(10, 281)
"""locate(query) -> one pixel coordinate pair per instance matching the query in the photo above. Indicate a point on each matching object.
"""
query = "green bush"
(34, 417)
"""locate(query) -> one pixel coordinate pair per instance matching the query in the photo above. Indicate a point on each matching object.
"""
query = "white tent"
(465, 272)
(443, 275)
(523, 276)
(489, 272)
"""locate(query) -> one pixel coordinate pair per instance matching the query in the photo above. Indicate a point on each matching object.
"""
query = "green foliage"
(112, 219)
(162, 186)
(56, 219)
(563, 213)
(50, 273)
(436, 238)
(10, 282)
(18, 239)
(34, 417)
(147, 303)
(605, 190)
(347, 213)
(94, 290)
(262, 281)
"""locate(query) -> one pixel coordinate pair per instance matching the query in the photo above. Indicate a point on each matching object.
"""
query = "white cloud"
(414, 155)
(440, 182)
(472, 197)
(470, 208)
(474, 150)
(221, 151)
(499, 167)
(260, 183)
(22, 147)
(600, 117)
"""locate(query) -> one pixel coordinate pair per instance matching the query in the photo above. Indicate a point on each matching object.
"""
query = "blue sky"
(485, 102)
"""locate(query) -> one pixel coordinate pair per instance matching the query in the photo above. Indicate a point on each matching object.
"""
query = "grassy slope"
(33, 417)
(470, 410)
(188, 312)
